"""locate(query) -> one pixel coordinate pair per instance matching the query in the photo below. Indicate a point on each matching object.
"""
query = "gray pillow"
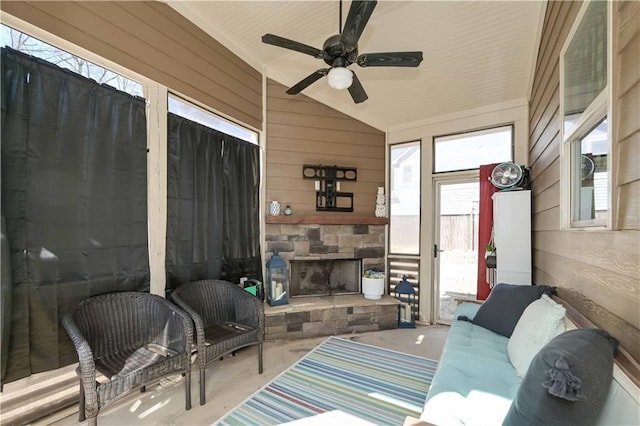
(506, 303)
(567, 382)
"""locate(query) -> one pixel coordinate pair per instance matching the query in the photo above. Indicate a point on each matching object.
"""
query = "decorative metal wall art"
(329, 198)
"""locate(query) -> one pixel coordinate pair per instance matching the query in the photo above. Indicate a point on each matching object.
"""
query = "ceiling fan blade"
(308, 81)
(357, 91)
(292, 45)
(357, 19)
(390, 59)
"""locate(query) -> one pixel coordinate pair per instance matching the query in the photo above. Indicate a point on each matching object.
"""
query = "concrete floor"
(232, 380)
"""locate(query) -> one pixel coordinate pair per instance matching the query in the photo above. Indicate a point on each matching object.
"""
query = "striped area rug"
(358, 383)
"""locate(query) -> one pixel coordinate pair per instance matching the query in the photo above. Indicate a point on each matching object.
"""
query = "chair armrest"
(199, 325)
(87, 366)
(180, 328)
(248, 308)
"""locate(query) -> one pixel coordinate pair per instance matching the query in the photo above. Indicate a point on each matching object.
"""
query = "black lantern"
(406, 294)
(277, 281)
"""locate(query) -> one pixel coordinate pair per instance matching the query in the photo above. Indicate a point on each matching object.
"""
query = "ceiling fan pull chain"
(340, 19)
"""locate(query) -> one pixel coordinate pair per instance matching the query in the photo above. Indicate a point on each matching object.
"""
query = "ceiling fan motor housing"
(335, 52)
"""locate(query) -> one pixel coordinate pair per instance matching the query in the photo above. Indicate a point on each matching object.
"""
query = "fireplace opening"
(324, 277)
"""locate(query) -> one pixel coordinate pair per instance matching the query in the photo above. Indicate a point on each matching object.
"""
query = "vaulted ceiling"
(476, 54)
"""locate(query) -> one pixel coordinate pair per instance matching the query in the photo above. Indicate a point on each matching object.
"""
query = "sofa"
(476, 382)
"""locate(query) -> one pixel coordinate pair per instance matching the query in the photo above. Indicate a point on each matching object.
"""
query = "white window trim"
(599, 108)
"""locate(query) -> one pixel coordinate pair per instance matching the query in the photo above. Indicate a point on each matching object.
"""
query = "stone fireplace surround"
(322, 238)
(304, 241)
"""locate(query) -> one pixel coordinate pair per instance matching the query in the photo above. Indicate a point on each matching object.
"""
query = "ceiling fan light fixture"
(340, 78)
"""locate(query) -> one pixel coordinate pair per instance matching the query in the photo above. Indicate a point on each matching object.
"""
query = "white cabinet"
(512, 236)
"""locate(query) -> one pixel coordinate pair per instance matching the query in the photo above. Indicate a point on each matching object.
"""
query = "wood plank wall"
(596, 270)
(152, 39)
(303, 131)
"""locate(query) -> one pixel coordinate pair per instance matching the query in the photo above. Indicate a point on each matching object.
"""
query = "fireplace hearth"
(325, 277)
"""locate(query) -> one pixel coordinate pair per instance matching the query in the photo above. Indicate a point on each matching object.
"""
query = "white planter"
(373, 288)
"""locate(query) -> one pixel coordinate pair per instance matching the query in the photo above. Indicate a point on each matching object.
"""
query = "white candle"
(407, 313)
(278, 290)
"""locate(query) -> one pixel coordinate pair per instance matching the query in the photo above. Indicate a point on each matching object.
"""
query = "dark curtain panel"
(194, 202)
(74, 193)
(241, 227)
(213, 228)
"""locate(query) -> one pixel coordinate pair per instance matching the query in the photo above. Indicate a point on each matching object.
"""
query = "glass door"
(455, 247)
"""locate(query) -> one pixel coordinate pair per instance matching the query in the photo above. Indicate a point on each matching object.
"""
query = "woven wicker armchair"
(132, 339)
(227, 318)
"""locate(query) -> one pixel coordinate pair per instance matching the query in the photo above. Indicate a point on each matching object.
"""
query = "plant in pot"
(373, 284)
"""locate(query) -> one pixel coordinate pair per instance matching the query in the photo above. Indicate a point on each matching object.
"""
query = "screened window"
(32, 46)
(199, 115)
(585, 64)
(466, 151)
(74, 201)
(213, 199)
(585, 99)
(404, 206)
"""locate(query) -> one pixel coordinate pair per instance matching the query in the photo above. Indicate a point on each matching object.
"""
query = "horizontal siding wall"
(152, 39)
(597, 270)
(303, 131)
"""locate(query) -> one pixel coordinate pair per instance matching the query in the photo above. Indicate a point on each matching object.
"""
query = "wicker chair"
(227, 318)
(132, 339)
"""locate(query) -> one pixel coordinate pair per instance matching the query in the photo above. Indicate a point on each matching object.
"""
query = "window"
(404, 199)
(74, 201)
(585, 131)
(213, 198)
(199, 115)
(32, 46)
(466, 151)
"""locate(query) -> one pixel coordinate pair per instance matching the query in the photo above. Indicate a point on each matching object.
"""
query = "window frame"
(598, 110)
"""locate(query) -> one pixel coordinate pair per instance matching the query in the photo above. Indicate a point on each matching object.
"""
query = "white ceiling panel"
(476, 54)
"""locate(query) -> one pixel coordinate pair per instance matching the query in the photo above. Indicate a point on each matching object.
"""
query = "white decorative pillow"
(540, 322)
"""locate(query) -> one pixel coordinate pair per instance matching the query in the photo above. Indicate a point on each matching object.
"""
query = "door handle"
(436, 250)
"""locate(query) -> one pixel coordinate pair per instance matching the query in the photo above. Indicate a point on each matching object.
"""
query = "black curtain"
(241, 226)
(74, 194)
(213, 226)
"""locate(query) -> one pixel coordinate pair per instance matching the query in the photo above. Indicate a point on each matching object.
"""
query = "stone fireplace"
(325, 252)
(331, 247)
(324, 277)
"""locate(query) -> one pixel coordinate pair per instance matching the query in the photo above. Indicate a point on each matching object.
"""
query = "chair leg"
(81, 404)
(260, 358)
(187, 390)
(202, 396)
(93, 421)
(143, 389)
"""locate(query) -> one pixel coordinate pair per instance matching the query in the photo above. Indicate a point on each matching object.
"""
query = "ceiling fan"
(341, 50)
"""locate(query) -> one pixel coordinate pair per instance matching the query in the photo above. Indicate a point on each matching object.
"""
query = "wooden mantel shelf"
(327, 220)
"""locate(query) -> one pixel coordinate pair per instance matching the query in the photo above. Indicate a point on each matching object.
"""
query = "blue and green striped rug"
(345, 378)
